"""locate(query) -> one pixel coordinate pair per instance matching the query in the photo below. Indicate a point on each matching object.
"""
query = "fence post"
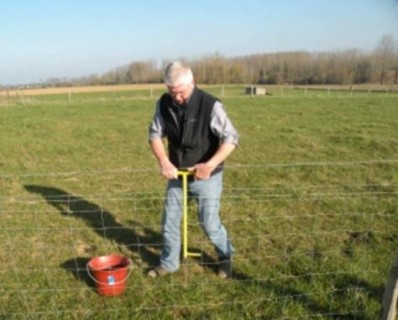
(391, 293)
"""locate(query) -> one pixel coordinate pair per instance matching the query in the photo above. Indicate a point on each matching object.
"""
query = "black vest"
(195, 142)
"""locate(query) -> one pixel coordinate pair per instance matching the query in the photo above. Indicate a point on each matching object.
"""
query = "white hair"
(177, 73)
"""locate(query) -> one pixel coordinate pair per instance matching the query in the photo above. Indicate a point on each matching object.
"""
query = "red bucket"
(109, 273)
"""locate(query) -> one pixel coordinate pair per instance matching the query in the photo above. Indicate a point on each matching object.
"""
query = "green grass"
(310, 203)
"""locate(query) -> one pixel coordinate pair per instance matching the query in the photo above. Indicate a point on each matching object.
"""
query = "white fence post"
(391, 293)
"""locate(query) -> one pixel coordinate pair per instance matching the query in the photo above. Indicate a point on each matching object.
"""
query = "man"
(200, 137)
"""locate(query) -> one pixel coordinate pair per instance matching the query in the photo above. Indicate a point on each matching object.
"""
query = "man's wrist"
(163, 161)
(211, 164)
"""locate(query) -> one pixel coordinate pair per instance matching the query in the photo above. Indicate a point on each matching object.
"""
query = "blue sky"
(40, 39)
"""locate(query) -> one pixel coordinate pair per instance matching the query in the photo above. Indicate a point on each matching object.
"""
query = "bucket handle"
(114, 283)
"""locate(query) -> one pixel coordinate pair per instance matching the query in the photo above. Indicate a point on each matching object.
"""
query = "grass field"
(310, 203)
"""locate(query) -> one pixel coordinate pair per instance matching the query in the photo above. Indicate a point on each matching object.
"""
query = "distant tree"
(237, 71)
(59, 82)
(395, 63)
(93, 80)
(142, 72)
(348, 63)
(109, 77)
(342, 67)
(363, 71)
(213, 69)
(384, 57)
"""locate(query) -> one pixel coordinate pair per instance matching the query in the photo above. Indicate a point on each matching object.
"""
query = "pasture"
(310, 203)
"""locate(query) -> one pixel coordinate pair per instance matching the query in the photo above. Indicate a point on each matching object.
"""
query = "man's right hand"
(168, 170)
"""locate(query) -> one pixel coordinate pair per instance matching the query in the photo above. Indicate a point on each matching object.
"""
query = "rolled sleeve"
(222, 126)
(156, 127)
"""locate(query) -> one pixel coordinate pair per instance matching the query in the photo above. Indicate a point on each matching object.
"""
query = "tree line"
(346, 67)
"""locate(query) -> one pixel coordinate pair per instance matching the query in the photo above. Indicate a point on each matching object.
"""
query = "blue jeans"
(207, 194)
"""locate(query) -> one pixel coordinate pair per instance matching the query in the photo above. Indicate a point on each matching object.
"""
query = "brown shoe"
(158, 271)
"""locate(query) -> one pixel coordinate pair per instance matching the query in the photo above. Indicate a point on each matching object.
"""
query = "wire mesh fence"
(316, 249)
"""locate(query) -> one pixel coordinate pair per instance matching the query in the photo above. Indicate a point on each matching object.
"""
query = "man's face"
(180, 93)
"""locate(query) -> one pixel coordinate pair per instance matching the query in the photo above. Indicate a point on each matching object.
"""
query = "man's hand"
(201, 171)
(168, 170)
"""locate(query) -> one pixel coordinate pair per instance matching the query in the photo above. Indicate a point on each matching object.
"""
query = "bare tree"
(384, 56)
(343, 67)
(143, 72)
(395, 63)
(214, 71)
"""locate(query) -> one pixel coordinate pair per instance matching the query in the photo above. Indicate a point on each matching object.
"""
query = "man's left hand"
(201, 171)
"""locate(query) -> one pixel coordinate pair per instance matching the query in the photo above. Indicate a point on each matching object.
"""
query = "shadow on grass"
(346, 289)
(77, 266)
(279, 292)
(102, 222)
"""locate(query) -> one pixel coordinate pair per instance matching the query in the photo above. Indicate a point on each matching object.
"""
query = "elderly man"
(200, 137)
